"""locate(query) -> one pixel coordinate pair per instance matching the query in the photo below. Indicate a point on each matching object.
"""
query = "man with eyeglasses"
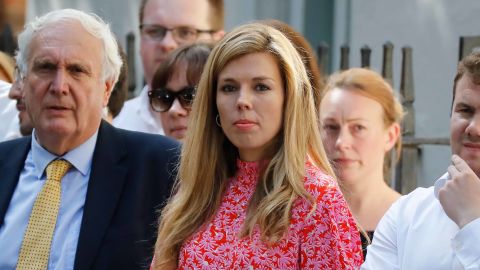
(164, 26)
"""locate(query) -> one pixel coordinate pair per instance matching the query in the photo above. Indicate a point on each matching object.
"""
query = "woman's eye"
(227, 88)
(262, 87)
(330, 127)
(358, 128)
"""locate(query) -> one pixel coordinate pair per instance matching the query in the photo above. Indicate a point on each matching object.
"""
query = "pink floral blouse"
(327, 239)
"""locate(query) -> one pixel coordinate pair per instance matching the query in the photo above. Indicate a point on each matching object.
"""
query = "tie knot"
(57, 169)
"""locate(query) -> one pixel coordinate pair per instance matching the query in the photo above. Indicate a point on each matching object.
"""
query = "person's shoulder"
(314, 176)
(326, 199)
(15, 142)
(318, 183)
(149, 150)
(132, 103)
(14, 145)
(4, 87)
(128, 111)
(419, 196)
(417, 203)
(147, 140)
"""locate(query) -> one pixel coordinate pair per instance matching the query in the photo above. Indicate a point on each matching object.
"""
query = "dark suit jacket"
(131, 177)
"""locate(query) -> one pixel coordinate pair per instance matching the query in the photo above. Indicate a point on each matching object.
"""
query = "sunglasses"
(162, 99)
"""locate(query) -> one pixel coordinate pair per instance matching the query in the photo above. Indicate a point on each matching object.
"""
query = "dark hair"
(194, 55)
(308, 57)
(470, 65)
(119, 91)
(217, 15)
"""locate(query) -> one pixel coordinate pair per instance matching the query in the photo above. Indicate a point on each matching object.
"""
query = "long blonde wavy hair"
(208, 158)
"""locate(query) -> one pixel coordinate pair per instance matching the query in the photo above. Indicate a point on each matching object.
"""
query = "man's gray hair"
(92, 23)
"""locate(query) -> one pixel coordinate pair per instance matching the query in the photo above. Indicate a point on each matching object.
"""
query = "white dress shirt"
(415, 233)
(136, 115)
(9, 127)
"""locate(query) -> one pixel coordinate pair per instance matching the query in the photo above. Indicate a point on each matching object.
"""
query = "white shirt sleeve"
(383, 252)
(466, 245)
(8, 113)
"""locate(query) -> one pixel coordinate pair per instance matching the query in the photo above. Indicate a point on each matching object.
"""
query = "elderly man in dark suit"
(78, 193)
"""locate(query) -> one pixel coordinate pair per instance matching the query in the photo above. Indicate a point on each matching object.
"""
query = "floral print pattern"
(324, 239)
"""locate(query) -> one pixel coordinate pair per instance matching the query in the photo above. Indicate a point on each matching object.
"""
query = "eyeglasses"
(182, 34)
(162, 99)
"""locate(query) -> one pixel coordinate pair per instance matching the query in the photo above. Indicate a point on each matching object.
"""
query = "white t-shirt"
(136, 115)
(415, 233)
(9, 125)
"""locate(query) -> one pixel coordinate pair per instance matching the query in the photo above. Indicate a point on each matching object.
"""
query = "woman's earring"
(217, 120)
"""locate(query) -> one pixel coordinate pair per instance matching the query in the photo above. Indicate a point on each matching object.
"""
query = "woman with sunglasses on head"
(254, 188)
(174, 86)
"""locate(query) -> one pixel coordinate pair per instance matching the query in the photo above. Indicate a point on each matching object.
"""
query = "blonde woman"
(254, 188)
(360, 126)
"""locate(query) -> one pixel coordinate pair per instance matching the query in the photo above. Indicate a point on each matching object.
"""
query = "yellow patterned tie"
(35, 249)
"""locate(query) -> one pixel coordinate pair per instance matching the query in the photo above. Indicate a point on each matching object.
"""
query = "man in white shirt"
(9, 129)
(164, 26)
(439, 227)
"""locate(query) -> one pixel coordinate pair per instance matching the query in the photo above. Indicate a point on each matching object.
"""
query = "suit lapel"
(104, 189)
(11, 164)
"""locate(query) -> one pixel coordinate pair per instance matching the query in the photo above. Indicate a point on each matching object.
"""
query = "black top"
(366, 242)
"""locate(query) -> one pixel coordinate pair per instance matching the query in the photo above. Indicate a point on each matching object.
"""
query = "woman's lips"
(343, 161)
(244, 125)
(182, 128)
(178, 132)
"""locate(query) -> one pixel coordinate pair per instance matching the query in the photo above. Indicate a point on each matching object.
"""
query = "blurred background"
(431, 28)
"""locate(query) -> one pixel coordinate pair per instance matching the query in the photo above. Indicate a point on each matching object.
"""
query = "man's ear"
(109, 84)
(393, 132)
